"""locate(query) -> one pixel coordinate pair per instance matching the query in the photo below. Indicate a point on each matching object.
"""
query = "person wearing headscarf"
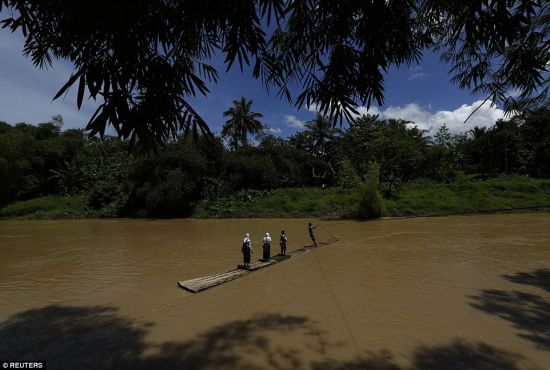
(267, 246)
(247, 249)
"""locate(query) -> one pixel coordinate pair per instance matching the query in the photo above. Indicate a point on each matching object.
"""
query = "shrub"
(48, 207)
(103, 193)
(370, 199)
(348, 178)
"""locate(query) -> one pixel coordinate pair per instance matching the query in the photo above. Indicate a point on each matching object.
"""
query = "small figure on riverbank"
(311, 234)
(267, 246)
(247, 249)
(282, 243)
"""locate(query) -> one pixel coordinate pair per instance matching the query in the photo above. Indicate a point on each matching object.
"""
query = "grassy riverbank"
(422, 198)
(288, 202)
(468, 195)
(48, 208)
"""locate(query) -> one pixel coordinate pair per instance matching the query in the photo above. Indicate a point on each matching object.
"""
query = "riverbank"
(421, 198)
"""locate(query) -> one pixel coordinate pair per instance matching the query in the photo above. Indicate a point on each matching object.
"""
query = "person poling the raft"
(267, 246)
(282, 243)
(247, 249)
(311, 234)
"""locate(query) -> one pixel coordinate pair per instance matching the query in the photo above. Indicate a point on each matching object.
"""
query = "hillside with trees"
(248, 172)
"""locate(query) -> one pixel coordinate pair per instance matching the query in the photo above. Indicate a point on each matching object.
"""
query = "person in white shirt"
(267, 246)
(247, 249)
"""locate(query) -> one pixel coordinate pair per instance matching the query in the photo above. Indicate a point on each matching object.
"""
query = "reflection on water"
(431, 293)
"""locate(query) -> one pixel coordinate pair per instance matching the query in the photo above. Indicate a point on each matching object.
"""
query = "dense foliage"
(144, 59)
(370, 199)
(40, 160)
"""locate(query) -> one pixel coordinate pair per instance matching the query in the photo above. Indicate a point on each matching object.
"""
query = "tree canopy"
(322, 131)
(42, 160)
(242, 121)
(144, 59)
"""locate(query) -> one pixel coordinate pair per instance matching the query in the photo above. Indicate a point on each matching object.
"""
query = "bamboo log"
(205, 282)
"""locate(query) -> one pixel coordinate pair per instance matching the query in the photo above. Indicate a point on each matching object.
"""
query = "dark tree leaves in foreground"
(143, 60)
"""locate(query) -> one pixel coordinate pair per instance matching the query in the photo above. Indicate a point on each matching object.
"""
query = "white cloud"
(363, 111)
(417, 73)
(294, 122)
(485, 116)
(314, 108)
(26, 92)
(274, 131)
(417, 76)
(430, 121)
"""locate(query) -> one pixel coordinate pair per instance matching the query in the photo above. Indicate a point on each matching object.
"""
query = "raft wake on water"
(202, 283)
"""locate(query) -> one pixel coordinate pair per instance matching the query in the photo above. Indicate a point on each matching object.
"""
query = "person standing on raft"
(311, 234)
(267, 246)
(282, 243)
(247, 249)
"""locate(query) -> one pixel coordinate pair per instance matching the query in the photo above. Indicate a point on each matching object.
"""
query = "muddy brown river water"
(468, 292)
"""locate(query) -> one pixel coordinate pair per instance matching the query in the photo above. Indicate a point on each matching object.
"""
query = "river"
(466, 292)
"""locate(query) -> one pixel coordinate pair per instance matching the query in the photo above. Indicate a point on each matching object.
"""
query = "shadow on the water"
(222, 347)
(539, 278)
(457, 355)
(72, 337)
(69, 337)
(530, 313)
(98, 338)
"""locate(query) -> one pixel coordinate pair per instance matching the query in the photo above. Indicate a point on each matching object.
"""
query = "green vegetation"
(242, 121)
(49, 207)
(145, 61)
(469, 194)
(420, 198)
(370, 199)
(317, 172)
(289, 202)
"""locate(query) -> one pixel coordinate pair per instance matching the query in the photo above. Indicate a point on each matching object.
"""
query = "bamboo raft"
(205, 282)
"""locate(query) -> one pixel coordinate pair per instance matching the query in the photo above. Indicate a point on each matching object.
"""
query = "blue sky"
(420, 93)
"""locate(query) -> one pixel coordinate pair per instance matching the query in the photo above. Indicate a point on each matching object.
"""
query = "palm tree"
(322, 131)
(242, 121)
(66, 178)
(477, 132)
